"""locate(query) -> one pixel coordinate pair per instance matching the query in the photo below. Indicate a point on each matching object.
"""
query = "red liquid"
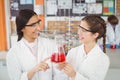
(58, 57)
(113, 46)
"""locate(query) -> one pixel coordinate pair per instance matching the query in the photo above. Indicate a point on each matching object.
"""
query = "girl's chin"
(81, 41)
(36, 36)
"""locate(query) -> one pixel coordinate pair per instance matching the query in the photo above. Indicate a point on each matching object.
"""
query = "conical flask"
(59, 55)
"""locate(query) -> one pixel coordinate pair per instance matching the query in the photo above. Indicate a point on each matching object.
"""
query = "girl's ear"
(23, 30)
(96, 35)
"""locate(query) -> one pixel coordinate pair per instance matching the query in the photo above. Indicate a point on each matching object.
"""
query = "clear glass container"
(59, 55)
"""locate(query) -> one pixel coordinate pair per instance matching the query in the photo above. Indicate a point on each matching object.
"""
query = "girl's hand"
(61, 65)
(69, 70)
(42, 66)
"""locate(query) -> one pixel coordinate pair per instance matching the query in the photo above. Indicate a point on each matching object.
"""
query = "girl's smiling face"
(85, 34)
(32, 28)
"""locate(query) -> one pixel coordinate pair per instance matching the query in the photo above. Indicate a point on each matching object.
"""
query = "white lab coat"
(93, 66)
(113, 37)
(20, 60)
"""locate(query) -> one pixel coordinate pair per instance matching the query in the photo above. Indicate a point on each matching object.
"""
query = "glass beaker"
(59, 55)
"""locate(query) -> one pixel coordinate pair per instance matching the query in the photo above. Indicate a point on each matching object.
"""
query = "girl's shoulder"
(76, 49)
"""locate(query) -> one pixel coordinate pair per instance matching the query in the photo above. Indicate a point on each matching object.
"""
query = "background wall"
(118, 7)
(7, 26)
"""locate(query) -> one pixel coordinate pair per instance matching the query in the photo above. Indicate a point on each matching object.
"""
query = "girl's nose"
(38, 27)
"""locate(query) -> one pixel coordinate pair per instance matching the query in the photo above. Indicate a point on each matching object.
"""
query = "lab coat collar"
(32, 44)
(93, 51)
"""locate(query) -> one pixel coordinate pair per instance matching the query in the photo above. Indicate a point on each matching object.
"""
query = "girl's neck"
(29, 40)
(88, 47)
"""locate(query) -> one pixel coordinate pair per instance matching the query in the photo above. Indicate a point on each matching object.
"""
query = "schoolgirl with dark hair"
(88, 61)
(29, 58)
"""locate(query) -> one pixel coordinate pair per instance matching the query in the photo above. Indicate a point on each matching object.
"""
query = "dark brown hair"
(113, 20)
(22, 19)
(97, 25)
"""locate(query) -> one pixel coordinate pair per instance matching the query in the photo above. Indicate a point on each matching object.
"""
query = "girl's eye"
(83, 30)
(34, 25)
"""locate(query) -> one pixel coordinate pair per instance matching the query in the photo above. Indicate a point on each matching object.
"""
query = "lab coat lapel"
(88, 57)
(93, 51)
(24, 54)
(43, 47)
(40, 51)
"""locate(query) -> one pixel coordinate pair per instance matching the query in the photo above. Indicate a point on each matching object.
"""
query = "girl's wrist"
(73, 76)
